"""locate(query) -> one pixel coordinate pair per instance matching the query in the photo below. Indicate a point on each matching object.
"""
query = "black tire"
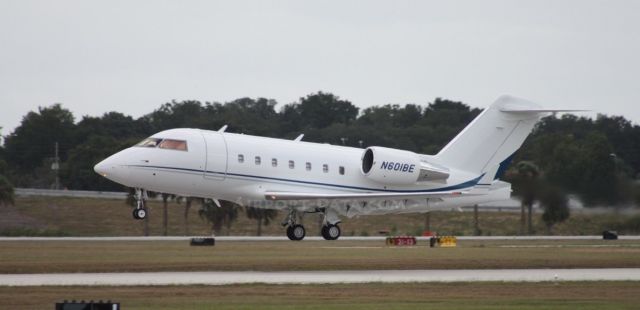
(141, 213)
(333, 232)
(330, 232)
(298, 232)
(135, 214)
(290, 233)
(325, 232)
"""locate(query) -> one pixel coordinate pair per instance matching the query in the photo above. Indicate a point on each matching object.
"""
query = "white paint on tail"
(492, 136)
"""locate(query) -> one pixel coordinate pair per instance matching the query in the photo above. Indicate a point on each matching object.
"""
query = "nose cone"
(113, 168)
(101, 168)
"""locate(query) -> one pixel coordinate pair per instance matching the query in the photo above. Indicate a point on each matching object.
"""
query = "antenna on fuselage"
(298, 138)
(223, 128)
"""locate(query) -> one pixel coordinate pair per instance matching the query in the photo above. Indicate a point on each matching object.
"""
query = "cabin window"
(240, 158)
(149, 142)
(292, 164)
(170, 144)
(308, 166)
(341, 170)
(325, 168)
(258, 160)
(274, 162)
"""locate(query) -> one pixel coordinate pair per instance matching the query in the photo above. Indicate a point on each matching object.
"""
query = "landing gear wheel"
(290, 233)
(296, 232)
(139, 214)
(331, 232)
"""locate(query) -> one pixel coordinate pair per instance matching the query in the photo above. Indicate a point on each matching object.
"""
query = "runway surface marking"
(320, 277)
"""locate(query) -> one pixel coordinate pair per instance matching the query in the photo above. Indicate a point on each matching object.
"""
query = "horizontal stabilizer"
(517, 109)
(493, 136)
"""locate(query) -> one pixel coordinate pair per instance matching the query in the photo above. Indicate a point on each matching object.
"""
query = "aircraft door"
(216, 162)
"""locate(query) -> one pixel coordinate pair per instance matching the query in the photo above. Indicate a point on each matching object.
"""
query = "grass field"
(103, 217)
(107, 256)
(118, 256)
(566, 295)
(93, 217)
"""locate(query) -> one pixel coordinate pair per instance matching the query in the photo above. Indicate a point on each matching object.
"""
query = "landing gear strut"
(295, 231)
(140, 212)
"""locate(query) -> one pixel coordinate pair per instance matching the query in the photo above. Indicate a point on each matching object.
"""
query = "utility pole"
(427, 221)
(56, 167)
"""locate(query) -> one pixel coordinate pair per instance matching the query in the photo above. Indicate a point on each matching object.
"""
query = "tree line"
(597, 160)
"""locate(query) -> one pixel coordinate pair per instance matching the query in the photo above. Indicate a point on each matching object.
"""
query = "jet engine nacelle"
(390, 166)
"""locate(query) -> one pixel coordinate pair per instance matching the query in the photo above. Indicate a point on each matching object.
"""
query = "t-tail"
(488, 143)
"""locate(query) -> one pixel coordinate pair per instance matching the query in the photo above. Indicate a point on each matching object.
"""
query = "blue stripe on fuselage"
(466, 184)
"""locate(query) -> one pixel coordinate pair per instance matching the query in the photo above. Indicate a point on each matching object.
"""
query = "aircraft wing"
(269, 195)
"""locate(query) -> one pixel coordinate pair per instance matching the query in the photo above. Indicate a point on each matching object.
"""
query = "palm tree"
(219, 217)
(165, 211)
(232, 210)
(525, 185)
(6, 192)
(187, 206)
(262, 216)
(556, 207)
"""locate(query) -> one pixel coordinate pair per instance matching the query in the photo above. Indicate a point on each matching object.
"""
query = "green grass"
(118, 256)
(103, 217)
(492, 295)
(31, 232)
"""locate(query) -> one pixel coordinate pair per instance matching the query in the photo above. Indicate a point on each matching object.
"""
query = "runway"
(309, 238)
(320, 277)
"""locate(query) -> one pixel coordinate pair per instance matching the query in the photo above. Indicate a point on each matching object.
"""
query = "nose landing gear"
(140, 212)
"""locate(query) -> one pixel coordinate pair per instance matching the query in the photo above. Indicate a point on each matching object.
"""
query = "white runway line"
(320, 277)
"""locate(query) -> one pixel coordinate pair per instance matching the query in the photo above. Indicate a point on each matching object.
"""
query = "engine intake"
(390, 166)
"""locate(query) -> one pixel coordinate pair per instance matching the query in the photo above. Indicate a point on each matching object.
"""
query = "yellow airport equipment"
(447, 241)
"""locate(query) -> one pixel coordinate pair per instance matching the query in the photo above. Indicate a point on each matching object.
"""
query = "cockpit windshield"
(168, 144)
(149, 142)
(171, 144)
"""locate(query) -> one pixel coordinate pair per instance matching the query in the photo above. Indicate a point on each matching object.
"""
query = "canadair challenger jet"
(304, 177)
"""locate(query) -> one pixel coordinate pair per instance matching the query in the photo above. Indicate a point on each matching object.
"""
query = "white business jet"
(331, 180)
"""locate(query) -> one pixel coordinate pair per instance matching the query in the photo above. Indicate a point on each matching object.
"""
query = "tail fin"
(492, 137)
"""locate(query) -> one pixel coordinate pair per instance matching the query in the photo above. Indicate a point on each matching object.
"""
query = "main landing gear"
(295, 231)
(140, 212)
(330, 229)
(330, 232)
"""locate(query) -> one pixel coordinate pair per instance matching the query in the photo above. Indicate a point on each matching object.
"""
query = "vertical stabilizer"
(492, 137)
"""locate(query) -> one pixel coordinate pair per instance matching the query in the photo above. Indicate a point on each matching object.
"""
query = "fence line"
(26, 192)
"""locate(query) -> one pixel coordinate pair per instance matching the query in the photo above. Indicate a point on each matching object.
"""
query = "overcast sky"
(132, 56)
